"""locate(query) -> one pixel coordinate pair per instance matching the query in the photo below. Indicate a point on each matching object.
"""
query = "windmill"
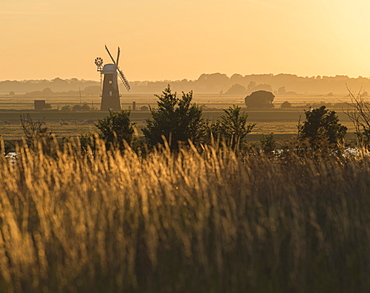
(110, 98)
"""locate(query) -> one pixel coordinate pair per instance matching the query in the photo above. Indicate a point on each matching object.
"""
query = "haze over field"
(169, 40)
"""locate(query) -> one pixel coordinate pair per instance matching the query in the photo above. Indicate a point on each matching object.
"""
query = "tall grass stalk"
(195, 221)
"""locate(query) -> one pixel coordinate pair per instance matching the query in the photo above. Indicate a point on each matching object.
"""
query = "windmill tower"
(110, 97)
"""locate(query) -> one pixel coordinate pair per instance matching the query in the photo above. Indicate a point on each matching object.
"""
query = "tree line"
(215, 83)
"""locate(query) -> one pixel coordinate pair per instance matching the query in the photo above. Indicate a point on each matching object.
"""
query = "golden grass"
(196, 221)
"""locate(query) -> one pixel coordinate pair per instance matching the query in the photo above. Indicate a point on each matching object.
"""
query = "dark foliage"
(236, 89)
(232, 127)
(116, 129)
(286, 104)
(321, 128)
(35, 130)
(176, 120)
(268, 143)
(260, 99)
(77, 108)
(360, 117)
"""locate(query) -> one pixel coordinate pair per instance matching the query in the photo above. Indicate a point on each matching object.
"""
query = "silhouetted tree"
(116, 129)
(76, 108)
(268, 143)
(47, 91)
(232, 127)
(35, 130)
(66, 108)
(236, 89)
(175, 119)
(360, 117)
(260, 99)
(321, 128)
(286, 105)
(236, 78)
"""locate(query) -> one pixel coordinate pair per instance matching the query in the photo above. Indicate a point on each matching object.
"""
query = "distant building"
(39, 104)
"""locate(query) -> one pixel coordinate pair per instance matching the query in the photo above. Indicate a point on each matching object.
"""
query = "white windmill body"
(110, 92)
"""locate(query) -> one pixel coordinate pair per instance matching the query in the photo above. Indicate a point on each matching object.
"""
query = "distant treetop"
(260, 99)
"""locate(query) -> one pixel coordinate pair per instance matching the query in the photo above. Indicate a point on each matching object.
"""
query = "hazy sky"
(177, 39)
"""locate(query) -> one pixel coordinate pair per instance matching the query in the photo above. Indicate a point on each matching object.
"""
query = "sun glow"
(182, 39)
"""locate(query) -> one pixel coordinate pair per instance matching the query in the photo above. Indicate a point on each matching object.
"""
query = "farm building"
(39, 104)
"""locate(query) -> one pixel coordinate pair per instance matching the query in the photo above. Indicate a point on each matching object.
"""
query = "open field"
(22, 102)
(283, 123)
(208, 221)
(277, 121)
(198, 220)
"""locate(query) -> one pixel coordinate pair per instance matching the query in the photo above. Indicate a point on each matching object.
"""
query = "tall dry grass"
(196, 221)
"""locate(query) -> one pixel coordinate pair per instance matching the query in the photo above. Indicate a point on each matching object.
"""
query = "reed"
(196, 221)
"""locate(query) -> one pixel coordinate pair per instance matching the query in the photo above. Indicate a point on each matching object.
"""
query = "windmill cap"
(109, 68)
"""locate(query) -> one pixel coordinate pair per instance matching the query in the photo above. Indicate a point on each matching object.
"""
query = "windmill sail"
(118, 54)
(119, 71)
(106, 48)
(123, 78)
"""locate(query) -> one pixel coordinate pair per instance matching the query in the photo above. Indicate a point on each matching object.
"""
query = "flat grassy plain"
(283, 123)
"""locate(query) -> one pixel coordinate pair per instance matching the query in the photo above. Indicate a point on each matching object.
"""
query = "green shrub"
(268, 144)
(321, 129)
(176, 120)
(231, 127)
(116, 129)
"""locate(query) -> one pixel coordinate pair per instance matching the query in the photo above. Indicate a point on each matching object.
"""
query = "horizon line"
(172, 80)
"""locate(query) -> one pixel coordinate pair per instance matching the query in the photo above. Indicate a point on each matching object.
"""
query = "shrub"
(260, 99)
(78, 108)
(286, 105)
(66, 108)
(268, 143)
(360, 117)
(116, 129)
(236, 89)
(176, 120)
(232, 127)
(321, 128)
(35, 130)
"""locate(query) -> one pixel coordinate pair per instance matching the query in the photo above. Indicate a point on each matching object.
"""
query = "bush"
(78, 108)
(260, 99)
(321, 128)
(116, 129)
(359, 114)
(176, 120)
(268, 143)
(236, 89)
(232, 127)
(286, 105)
(35, 130)
(66, 108)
